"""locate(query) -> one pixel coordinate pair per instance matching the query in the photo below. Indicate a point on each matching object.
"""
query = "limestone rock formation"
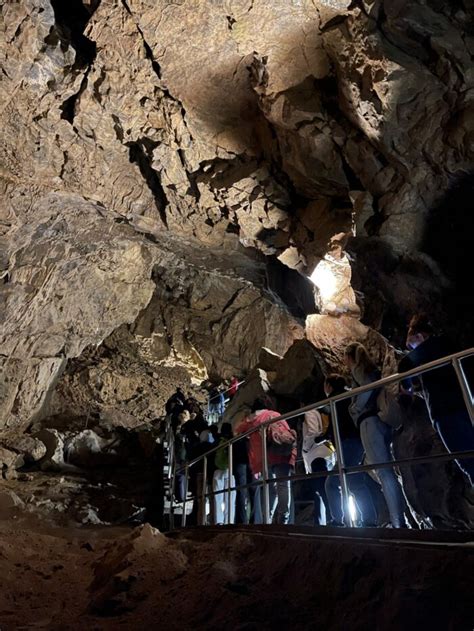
(74, 276)
(266, 125)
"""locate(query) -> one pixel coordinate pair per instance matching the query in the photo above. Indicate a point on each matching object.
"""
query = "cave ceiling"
(170, 172)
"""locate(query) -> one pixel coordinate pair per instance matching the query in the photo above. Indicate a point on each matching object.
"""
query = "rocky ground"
(108, 579)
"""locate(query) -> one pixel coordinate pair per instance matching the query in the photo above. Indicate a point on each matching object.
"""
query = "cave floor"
(122, 578)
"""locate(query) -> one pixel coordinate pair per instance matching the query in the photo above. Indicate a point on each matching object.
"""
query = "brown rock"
(268, 360)
(300, 370)
(128, 136)
(331, 335)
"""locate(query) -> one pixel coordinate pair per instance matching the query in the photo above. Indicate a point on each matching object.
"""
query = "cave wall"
(279, 127)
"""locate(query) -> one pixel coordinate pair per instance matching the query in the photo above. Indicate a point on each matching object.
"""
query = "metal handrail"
(414, 372)
(453, 359)
(216, 396)
(403, 462)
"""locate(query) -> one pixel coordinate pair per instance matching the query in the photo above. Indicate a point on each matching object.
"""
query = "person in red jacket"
(259, 414)
(234, 386)
(281, 458)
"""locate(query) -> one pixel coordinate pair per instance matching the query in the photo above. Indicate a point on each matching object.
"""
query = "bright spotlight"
(352, 509)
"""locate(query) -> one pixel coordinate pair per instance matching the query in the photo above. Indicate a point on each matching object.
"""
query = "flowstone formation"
(172, 172)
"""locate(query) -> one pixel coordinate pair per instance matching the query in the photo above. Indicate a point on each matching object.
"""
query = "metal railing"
(454, 360)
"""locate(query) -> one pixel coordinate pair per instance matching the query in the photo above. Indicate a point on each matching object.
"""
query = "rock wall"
(74, 275)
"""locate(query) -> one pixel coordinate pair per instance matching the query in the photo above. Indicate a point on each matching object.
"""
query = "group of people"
(365, 434)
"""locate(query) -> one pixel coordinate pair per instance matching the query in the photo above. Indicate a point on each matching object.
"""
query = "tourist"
(196, 474)
(234, 385)
(193, 406)
(224, 503)
(353, 451)
(243, 477)
(376, 436)
(193, 426)
(181, 454)
(174, 407)
(441, 390)
(281, 458)
(260, 412)
(216, 405)
(318, 456)
(177, 398)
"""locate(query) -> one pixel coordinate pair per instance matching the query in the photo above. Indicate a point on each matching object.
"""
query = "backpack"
(281, 439)
(388, 405)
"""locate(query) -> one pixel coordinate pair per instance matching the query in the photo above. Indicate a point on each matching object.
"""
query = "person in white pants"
(221, 499)
(224, 504)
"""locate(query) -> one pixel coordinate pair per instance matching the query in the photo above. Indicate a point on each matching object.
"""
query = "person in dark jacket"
(193, 427)
(376, 436)
(242, 477)
(353, 452)
(441, 390)
(177, 398)
(174, 407)
(193, 406)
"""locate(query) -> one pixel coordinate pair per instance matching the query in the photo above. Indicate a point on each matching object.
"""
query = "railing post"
(172, 465)
(183, 516)
(229, 484)
(204, 489)
(458, 369)
(266, 490)
(340, 465)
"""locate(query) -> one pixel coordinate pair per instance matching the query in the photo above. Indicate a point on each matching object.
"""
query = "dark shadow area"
(68, 107)
(293, 289)
(140, 153)
(72, 18)
(449, 240)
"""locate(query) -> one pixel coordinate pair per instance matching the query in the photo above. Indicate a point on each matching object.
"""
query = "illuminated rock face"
(332, 278)
(139, 137)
